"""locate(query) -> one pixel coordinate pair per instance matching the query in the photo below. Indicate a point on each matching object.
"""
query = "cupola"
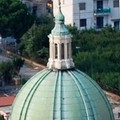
(60, 45)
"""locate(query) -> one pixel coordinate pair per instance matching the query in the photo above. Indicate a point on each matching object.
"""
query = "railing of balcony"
(103, 11)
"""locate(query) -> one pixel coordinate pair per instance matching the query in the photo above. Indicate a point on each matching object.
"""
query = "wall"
(73, 14)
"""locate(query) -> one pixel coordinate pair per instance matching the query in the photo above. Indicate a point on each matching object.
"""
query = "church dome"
(61, 95)
(61, 92)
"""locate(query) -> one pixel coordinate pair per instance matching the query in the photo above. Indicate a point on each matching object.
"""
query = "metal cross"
(59, 1)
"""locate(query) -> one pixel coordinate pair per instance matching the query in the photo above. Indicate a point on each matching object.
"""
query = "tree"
(6, 71)
(17, 64)
(35, 42)
(9, 69)
(98, 55)
(14, 18)
(75, 38)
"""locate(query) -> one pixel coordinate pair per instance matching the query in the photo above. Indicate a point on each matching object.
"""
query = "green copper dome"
(59, 18)
(61, 95)
(56, 94)
(60, 28)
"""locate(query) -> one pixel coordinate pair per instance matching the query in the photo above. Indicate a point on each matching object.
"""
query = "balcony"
(104, 11)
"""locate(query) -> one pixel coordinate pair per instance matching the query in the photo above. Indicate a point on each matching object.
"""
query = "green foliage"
(1, 117)
(35, 42)
(95, 52)
(43, 53)
(75, 36)
(6, 71)
(17, 64)
(99, 56)
(23, 81)
(109, 80)
(44, 20)
(14, 18)
(10, 68)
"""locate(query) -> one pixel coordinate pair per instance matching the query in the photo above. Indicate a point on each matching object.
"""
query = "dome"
(60, 28)
(59, 17)
(61, 92)
(61, 95)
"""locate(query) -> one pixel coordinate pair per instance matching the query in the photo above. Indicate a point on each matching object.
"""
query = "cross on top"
(59, 2)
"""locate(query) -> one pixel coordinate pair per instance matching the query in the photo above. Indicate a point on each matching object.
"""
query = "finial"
(59, 2)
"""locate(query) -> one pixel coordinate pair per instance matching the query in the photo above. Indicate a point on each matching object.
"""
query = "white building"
(90, 13)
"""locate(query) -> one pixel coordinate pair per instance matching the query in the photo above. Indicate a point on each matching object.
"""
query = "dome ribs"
(100, 91)
(60, 80)
(56, 97)
(30, 96)
(90, 112)
(62, 95)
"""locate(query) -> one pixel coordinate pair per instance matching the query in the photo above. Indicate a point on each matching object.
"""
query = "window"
(62, 51)
(68, 50)
(34, 10)
(56, 51)
(82, 6)
(118, 114)
(99, 21)
(82, 22)
(115, 3)
(100, 4)
(116, 24)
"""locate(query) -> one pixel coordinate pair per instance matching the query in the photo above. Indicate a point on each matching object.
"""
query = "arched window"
(56, 51)
(62, 51)
(68, 50)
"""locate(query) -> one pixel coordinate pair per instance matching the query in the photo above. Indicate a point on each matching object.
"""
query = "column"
(70, 50)
(50, 50)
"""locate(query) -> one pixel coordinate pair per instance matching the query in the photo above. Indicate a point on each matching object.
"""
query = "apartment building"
(38, 7)
(90, 13)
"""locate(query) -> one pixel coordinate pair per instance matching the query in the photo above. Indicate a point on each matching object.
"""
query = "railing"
(102, 11)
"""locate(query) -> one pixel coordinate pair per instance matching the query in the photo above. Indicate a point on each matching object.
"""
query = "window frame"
(100, 22)
(82, 6)
(115, 3)
(100, 4)
(34, 9)
(117, 24)
(83, 22)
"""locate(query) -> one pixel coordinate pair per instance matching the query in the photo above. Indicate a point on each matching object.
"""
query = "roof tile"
(6, 101)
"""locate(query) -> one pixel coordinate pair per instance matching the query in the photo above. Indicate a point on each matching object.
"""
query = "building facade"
(38, 7)
(86, 14)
